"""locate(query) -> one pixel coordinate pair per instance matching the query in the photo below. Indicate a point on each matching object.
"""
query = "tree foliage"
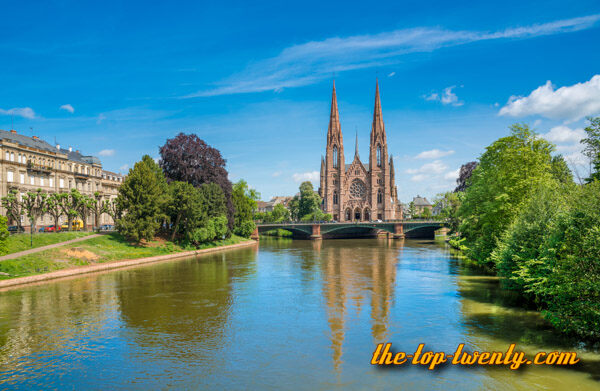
(592, 147)
(466, 170)
(142, 196)
(509, 171)
(187, 158)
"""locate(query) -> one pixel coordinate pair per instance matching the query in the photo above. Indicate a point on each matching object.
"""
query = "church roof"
(365, 166)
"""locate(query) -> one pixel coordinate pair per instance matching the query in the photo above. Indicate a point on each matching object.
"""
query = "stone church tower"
(358, 191)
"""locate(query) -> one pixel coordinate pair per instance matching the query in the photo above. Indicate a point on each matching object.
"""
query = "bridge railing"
(284, 223)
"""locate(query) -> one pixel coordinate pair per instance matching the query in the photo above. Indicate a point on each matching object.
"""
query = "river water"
(283, 315)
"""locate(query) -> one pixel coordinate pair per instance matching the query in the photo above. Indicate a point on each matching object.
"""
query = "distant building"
(268, 206)
(420, 204)
(30, 163)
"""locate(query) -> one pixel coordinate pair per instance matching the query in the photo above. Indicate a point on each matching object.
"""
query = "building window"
(61, 183)
(379, 197)
(51, 182)
(7, 156)
(32, 180)
(22, 178)
(335, 198)
(12, 156)
(379, 156)
(19, 158)
(335, 156)
(9, 176)
(41, 181)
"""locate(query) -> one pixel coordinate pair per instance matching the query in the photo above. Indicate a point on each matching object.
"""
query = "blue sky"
(117, 79)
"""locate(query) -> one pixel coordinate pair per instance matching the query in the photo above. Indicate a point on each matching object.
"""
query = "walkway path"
(48, 247)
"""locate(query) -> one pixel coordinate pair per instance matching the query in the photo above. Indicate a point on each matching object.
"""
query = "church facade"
(358, 191)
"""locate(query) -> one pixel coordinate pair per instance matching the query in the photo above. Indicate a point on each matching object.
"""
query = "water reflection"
(290, 314)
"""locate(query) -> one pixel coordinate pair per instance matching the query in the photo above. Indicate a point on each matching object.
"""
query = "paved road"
(38, 249)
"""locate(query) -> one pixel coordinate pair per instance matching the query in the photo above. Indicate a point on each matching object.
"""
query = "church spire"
(378, 127)
(356, 147)
(334, 118)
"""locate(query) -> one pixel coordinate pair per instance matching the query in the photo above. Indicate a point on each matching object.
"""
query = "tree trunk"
(175, 226)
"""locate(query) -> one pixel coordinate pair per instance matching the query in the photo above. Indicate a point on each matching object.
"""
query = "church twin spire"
(334, 132)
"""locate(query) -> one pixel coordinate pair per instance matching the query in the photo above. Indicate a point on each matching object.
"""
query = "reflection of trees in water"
(51, 318)
(184, 302)
(496, 317)
(351, 272)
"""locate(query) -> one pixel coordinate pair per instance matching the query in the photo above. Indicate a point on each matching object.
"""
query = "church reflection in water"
(355, 276)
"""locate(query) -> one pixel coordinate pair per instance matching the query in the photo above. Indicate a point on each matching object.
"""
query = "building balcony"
(38, 168)
(81, 176)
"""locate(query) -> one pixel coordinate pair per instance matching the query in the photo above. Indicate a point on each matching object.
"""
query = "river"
(287, 314)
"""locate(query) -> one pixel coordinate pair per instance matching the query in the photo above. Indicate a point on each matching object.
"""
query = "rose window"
(358, 189)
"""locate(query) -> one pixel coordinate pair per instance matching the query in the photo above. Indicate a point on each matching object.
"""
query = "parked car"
(49, 228)
(107, 227)
(76, 225)
(15, 228)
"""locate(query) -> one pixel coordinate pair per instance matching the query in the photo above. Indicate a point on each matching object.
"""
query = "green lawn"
(104, 248)
(21, 242)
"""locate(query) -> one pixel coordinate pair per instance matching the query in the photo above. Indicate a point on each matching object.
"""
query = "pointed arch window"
(335, 156)
(379, 197)
(379, 156)
(335, 197)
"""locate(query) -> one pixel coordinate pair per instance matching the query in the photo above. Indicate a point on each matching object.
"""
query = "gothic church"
(358, 191)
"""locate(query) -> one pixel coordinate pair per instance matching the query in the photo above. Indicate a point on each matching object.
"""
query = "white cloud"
(311, 62)
(100, 118)
(25, 112)
(569, 103)
(418, 178)
(107, 152)
(447, 97)
(452, 175)
(434, 168)
(391, 74)
(433, 154)
(68, 108)
(312, 176)
(276, 174)
(124, 167)
(563, 134)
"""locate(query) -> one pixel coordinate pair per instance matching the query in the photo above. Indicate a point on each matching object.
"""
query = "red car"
(49, 228)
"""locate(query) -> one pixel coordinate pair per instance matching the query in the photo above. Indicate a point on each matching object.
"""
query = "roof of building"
(421, 201)
(38, 143)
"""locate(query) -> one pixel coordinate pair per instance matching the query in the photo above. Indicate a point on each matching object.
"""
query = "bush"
(3, 235)
(245, 229)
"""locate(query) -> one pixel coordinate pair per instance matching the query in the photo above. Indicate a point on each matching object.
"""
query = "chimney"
(77, 151)
(13, 131)
(58, 146)
(70, 149)
(35, 137)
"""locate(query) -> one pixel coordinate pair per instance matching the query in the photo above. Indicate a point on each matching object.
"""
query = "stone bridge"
(397, 229)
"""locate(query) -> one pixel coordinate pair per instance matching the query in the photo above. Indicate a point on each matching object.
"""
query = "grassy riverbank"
(22, 242)
(106, 248)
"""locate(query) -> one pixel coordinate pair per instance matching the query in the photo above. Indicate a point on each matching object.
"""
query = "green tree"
(14, 208)
(509, 171)
(96, 208)
(560, 170)
(592, 147)
(34, 205)
(294, 207)
(244, 201)
(309, 202)
(280, 213)
(54, 207)
(70, 205)
(449, 203)
(185, 209)
(214, 201)
(142, 198)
